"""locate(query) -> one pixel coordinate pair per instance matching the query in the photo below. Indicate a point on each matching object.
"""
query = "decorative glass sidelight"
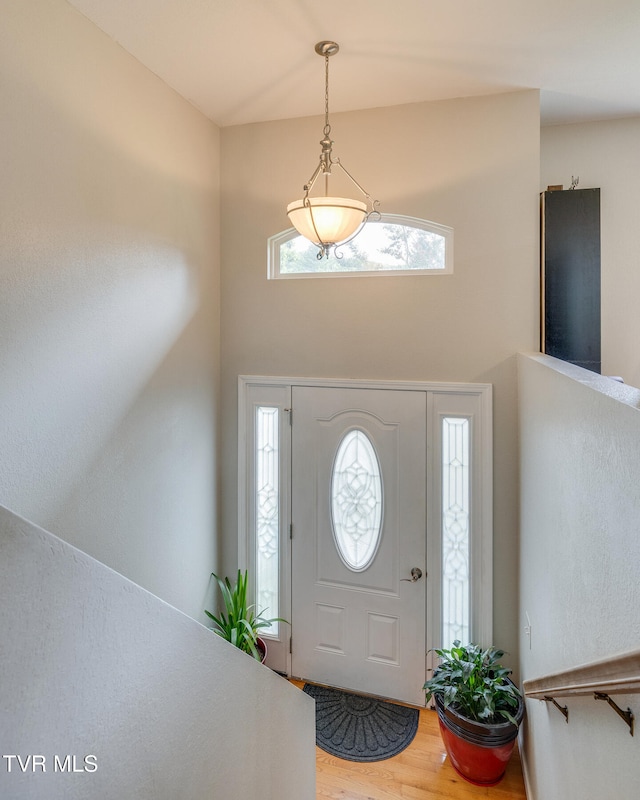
(267, 514)
(455, 530)
(356, 500)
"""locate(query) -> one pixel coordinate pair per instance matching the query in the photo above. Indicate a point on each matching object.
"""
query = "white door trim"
(482, 492)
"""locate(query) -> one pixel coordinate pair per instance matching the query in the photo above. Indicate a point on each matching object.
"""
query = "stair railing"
(615, 675)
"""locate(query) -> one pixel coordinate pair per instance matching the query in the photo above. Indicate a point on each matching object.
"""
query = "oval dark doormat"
(361, 728)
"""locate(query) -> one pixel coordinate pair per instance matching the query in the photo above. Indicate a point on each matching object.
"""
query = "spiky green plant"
(473, 682)
(239, 623)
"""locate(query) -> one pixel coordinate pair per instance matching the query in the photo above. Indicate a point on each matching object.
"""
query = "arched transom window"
(392, 245)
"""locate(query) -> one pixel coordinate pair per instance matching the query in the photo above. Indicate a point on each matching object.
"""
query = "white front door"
(359, 530)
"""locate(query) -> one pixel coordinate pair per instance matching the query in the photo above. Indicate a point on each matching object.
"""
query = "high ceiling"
(243, 61)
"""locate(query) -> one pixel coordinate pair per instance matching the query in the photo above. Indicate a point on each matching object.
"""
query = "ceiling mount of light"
(325, 220)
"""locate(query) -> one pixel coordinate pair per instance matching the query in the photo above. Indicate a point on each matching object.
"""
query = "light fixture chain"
(346, 217)
(327, 127)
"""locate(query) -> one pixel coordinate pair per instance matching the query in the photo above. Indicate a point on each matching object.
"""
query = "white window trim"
(275, 242)
(473, 400)
(472, 403)
(251, 395)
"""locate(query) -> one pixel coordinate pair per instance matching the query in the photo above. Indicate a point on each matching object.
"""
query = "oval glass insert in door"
(356, 500)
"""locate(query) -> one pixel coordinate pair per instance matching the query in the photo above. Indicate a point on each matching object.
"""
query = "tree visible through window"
(394, 244)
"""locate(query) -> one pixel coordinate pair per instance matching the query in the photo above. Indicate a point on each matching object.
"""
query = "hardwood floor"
(421, 772)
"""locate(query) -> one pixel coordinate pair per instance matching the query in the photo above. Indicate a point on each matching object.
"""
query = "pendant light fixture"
(325, 220)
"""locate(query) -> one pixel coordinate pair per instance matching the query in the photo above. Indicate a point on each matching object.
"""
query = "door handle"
(416, 574)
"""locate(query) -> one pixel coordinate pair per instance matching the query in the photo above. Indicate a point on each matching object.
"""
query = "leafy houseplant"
(472, 681)
(479, 710)
(239, 623)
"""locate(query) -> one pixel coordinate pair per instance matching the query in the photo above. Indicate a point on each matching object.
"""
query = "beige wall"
(169, 710)
(109, 323)
(606, 155)
(472, 164)
(580, 550)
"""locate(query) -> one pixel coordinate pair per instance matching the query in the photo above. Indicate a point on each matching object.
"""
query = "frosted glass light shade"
(335, 218)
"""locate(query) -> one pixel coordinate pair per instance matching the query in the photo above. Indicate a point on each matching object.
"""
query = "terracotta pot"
(262, 648)
(478, 751)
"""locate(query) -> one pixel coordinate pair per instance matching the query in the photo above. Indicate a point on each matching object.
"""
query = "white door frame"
(481, 524)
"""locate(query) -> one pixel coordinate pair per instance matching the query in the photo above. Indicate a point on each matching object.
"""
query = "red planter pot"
(262, 648)
(478, 751)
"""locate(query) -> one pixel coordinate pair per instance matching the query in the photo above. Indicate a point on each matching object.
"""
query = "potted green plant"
(239, 623)
(479, 710)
